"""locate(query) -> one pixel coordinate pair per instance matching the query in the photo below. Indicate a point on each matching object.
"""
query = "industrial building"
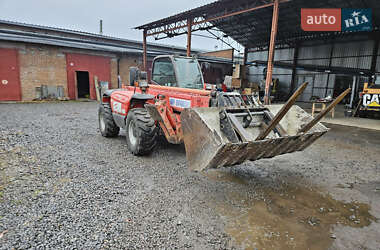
(330, 67)
(42, 62)
(330, 61)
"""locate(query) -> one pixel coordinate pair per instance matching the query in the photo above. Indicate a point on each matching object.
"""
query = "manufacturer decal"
(371, 100)
(4, 82)
(179, 103)
(116, 107)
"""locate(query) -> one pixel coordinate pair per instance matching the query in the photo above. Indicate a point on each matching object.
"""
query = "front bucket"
(208, 147)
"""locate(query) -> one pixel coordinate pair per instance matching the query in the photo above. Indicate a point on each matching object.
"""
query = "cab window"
(163, 72)
(189, 73)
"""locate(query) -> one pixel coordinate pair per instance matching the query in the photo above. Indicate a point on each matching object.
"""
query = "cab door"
(163, 72)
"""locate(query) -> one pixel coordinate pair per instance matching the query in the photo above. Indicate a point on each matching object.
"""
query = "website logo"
(321, 19)
(356, 20)
(336, 19)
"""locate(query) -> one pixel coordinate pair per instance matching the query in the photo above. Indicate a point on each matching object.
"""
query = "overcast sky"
(119, 16)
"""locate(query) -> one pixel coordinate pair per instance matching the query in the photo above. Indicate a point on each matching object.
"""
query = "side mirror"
(133, 71)
(136, 75)
(143, 75)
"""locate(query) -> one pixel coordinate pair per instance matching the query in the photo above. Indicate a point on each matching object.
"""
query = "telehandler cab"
(217, 128)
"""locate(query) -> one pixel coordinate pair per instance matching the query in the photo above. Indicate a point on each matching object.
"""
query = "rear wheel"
(141, 132)
(107, 125)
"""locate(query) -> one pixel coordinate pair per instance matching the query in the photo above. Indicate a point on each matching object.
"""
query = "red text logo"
(321, 19)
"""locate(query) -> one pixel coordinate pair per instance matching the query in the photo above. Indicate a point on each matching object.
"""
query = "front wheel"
(141, 132)
(107, 125)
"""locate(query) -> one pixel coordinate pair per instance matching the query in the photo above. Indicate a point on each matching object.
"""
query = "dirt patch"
(288, 217)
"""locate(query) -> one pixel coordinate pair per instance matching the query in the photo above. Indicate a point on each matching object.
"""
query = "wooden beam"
(278, 127)
(276, 120)
(309, 125)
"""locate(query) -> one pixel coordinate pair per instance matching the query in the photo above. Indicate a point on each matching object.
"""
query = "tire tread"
(111, 129)
(146, 131)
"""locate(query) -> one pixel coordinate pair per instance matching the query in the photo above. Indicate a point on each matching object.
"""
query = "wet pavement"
(287, 217)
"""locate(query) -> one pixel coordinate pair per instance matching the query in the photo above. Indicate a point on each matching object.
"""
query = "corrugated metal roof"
(68, 42)
(191, 12)
(94, 35)
(54, 42)
(252, 29)
(40, 38)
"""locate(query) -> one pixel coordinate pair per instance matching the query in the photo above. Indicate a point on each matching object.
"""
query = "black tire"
(107, 125)
(141, 132)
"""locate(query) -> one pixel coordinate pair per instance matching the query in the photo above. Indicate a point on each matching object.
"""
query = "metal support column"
(330, 63)
(245, 56)
(374, 57)
(189, 24)
(144, 51)
(353, 92)
(271, 52)
(294, 69)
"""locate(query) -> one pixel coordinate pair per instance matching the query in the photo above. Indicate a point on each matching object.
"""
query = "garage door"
(94, 66)
(9, 75)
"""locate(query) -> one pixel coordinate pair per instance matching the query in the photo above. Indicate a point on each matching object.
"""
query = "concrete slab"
(340, 119)
(354, 122)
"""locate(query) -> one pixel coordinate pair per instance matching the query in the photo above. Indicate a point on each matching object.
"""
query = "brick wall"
(228, 53)
(126, 62)
(46, 65)
(41, 65)
(113, 83)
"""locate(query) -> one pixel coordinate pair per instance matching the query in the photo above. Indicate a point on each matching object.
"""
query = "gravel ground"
(64, 186)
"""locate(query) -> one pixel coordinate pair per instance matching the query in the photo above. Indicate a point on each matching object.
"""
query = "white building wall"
(284, 75)
(353, 55)
(314, 55)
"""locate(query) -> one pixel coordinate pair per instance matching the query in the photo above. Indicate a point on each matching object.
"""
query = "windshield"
(189, 74)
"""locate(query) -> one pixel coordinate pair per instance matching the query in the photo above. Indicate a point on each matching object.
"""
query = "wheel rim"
(102, 124)
(131, 133)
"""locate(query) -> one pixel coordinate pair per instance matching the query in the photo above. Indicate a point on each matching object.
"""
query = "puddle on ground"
(224, 176)
(290, 217)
